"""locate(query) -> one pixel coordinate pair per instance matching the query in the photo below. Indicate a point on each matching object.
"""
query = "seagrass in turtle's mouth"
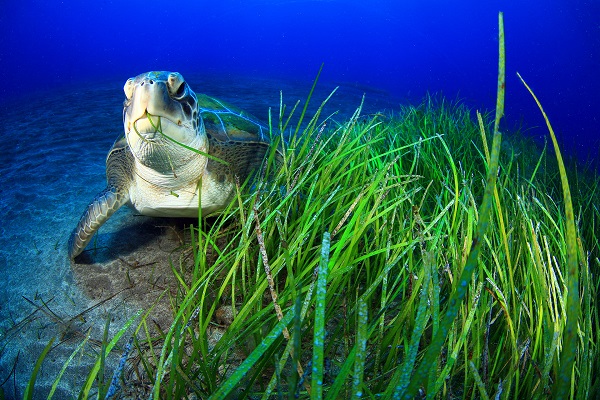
(153, 127)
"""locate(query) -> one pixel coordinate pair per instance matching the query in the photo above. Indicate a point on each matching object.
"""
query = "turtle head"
(161, 109)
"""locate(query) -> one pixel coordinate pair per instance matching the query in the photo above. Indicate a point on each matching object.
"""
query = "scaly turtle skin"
(160, 166)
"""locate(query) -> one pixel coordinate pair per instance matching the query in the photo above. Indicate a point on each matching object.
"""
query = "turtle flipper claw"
(104, 205)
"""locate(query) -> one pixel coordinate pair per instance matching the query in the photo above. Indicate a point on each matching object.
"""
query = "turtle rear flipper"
(104, 205)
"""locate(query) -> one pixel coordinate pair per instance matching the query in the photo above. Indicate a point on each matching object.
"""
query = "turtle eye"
(181, 90)
(176, 84)
(128, 88)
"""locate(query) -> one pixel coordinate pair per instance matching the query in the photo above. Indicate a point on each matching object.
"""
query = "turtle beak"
(147, 127)
(151, 98)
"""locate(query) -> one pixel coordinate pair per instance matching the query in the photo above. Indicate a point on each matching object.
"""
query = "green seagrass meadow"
(418, 255)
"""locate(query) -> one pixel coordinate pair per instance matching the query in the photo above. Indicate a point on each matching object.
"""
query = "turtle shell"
(228, 124)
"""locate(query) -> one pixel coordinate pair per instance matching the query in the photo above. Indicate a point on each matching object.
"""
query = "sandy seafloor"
(53, 148)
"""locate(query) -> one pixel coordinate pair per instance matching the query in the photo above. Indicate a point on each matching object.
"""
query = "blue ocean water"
(63, 65)
(404, 48)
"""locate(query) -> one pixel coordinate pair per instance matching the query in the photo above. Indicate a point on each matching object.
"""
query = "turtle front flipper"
(119, 167)
(104, 205)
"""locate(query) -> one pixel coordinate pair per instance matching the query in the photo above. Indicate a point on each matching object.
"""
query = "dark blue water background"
(402, 49)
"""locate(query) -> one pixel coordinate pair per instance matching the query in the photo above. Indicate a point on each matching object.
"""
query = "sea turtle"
(180, 150)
